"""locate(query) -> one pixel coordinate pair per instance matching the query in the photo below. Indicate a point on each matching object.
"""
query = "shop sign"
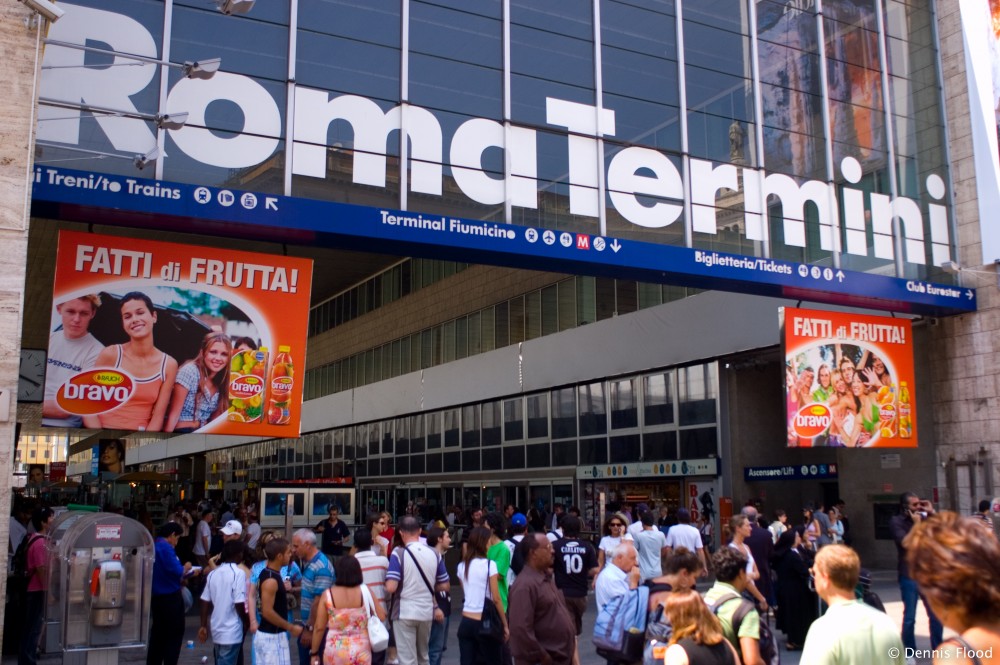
(674, 468)
(634, 176)
(57, 471)
(178, 206)
(754, 474)
(155, 336)
(849, 380)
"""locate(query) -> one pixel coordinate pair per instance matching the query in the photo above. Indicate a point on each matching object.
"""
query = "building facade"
(831, 135)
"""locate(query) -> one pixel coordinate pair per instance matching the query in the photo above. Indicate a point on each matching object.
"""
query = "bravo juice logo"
(95, 391)
(812, 420)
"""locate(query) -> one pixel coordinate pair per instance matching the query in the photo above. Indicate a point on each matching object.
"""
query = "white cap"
(232, 528)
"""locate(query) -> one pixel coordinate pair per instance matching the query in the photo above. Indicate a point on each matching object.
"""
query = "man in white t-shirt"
(203, 538)
(71, 350)
(224, 599)
(683, 534)
(418, 571)
(635, 528)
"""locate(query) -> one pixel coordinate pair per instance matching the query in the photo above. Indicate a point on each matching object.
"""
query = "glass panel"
(532, 315)
(593, 451)
(470, 427)
(417, 440)
(452, 462)
(625, 448)
(624, 404)
(593, 410)
(564, 453)
(451, 428)
(538, 415)
(491, 459)
(513, 457)
(513, 419)
(470, 460)
(538, 456)
(563, 413)
(699, 443)
(433, 423)
(550, 310)
(491, 423)
(658, 400)
(434, 463)
(659, 445)
(697, 390)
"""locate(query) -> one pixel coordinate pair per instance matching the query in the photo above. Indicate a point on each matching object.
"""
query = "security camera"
(142, 161)
(234, 6)
(45, 8)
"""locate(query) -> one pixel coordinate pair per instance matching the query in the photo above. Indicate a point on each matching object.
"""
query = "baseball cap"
(232, 528)
(518, 519)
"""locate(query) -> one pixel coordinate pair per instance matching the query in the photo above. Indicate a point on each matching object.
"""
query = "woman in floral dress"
(344, 612)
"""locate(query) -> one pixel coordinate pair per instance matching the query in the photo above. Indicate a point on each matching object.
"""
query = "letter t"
(584, 161)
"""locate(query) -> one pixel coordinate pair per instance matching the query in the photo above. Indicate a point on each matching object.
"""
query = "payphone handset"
(107, 585)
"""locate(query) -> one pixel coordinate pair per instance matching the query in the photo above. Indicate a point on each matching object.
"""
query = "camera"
(45, 8)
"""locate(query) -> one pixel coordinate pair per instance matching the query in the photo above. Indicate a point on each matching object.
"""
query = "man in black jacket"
(912, 510)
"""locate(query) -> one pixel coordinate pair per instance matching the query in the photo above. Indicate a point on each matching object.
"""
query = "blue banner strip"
(140, 203)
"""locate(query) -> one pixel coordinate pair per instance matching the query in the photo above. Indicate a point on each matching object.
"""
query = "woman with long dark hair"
(480, 583)
(152, 370)
(201, 393)
(796, 602)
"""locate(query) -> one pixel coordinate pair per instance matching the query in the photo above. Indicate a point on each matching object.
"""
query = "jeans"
(34, 618)
(476, 650)
(166, 629)
(226, 654)
(439, 640)
(412, 638)
(908, 588)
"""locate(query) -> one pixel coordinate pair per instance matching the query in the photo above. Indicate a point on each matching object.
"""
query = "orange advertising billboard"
(848, 380)
(163, 337)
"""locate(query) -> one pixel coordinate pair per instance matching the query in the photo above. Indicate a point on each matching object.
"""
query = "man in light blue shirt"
(317, 577)
(616, 580)
(652, 545)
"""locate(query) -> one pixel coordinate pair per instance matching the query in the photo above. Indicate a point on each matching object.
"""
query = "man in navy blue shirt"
(166, 630)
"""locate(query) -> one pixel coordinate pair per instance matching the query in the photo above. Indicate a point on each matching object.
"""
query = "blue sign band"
(135, 202)
(756, 474)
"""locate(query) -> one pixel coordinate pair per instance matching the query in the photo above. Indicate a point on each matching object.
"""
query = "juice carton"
(280, 392)
(246, 385)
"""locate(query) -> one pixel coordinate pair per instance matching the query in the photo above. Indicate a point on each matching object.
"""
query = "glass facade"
(747, 126)
(671, 414)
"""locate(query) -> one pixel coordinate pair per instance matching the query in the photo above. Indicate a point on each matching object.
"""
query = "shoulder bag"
(426, 583)
(491, 625)
(378, 634)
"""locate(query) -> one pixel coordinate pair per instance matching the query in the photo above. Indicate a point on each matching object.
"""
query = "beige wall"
(963, 353)
(17, 78)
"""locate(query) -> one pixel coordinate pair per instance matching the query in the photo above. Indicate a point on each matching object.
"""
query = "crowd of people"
(380, 593)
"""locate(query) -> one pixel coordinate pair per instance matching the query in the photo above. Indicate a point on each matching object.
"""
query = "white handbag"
(378, 634)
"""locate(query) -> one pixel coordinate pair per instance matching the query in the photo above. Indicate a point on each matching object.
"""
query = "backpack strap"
(740, 613)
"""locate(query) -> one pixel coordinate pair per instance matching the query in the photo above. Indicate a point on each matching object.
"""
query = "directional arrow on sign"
(840, 275)
(270, 203)
(969, 294)
(615, 246)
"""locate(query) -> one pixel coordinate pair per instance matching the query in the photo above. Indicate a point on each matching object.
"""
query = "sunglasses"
(616, 524)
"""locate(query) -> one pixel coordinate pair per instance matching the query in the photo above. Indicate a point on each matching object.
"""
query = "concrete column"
(965, 361)
(19, 48)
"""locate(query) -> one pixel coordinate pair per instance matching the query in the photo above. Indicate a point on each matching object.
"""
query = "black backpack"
(20, 560)
(768, 645)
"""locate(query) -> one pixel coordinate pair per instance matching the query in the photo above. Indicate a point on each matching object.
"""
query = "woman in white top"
(480, 583)
(614, 534)
(741, 528)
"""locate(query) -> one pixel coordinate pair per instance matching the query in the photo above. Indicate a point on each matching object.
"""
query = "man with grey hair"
(416, 572)
(317, 577)
(623, 574)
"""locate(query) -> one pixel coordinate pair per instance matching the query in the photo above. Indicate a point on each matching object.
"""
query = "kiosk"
(100, 582)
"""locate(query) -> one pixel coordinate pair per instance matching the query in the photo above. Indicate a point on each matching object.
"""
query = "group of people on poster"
(853, 384)
(168, 396)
